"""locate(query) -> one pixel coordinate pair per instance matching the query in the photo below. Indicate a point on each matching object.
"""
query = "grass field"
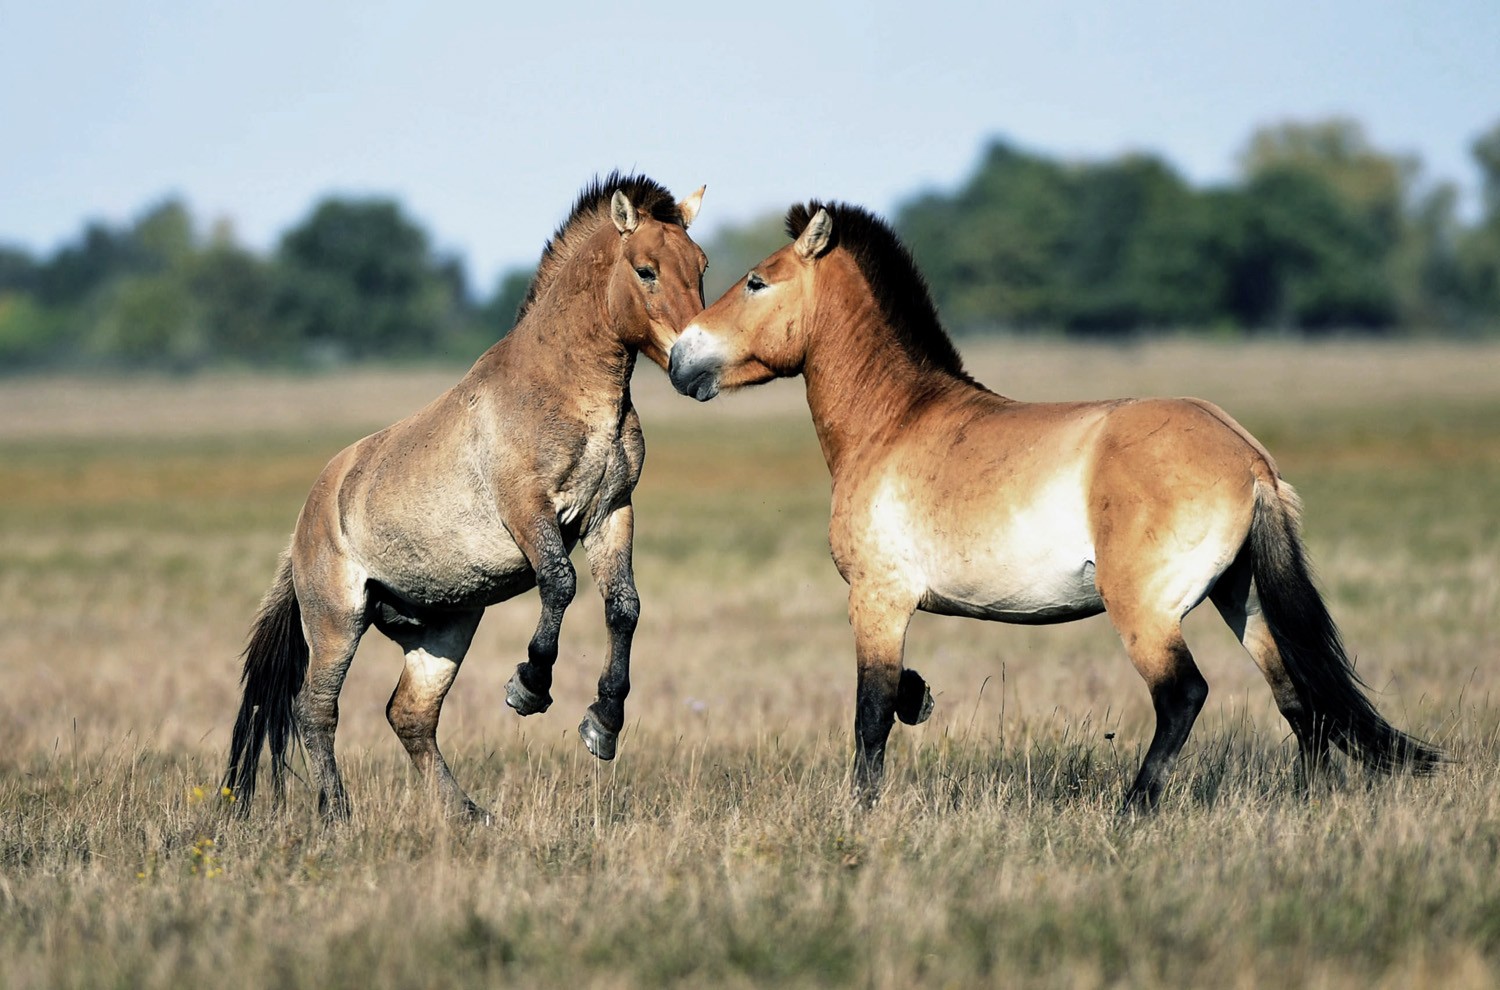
(140, 522)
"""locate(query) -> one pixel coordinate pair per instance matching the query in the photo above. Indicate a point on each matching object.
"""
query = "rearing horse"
(952, 499)
(478, 497)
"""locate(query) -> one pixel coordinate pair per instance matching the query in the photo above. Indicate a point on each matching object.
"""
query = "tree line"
(1320, 232)
(356, 279)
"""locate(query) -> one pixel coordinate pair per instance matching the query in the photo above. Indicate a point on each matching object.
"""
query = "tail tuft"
(275, 665)
(1312, 649)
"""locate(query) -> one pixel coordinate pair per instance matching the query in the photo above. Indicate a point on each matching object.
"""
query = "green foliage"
(358, 280)
(733, 250)
(1321, 233)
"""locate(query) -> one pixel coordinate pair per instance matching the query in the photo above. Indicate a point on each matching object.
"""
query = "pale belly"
(1026, 563)
(1054, 588)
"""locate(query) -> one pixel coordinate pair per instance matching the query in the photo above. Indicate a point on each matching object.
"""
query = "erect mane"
(589, 210)
(893, 277)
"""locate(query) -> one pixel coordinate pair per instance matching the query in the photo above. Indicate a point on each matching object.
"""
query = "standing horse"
(478, 497)
(952, 499)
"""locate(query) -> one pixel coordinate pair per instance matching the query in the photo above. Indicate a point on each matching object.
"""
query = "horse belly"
(1035, 565)
(456, 568)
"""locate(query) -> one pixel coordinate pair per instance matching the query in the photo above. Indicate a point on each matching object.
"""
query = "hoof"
(599, 740)
(913, 699)
(474, 814)
(524, 700)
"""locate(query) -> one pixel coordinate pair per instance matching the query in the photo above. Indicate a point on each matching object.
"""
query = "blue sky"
(484, 120)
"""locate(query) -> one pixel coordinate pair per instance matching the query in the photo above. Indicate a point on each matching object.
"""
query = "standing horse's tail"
(1310, 646)
(275, 665)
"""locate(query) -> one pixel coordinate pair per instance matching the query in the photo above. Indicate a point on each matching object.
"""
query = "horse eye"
(755, 283)
(646, 273)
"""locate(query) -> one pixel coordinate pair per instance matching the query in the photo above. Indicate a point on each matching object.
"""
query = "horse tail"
(1310, 645)
(275, 665)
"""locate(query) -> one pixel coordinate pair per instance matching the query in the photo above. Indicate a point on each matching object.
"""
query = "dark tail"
(275, 664)
(1311, 648)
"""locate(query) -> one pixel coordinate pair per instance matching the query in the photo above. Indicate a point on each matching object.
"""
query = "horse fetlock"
(913, 698)
(522, 698)
(597, 737)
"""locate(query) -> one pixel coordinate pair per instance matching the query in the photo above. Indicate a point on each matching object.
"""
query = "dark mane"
(893, 277)
(592, 207)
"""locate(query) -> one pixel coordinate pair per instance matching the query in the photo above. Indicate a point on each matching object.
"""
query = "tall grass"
(139, 526)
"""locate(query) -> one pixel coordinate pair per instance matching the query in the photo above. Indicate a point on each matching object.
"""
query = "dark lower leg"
(320, 718)
(621, 613)
(1178, 697)
(874, 714)
(530, 688)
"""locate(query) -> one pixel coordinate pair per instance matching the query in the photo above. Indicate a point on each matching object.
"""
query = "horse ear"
(622, 212)
(816, 238)
(689, 207)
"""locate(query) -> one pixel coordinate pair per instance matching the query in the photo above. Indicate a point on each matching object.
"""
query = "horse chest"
(602, 475)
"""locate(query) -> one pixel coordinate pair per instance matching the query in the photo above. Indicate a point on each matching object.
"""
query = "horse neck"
(569, 338)
(862, 383)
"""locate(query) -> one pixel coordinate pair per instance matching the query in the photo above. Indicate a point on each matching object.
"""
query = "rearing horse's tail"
(275, 665)
(1312, 650)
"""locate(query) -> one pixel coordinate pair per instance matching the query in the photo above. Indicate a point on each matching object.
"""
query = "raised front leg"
(609, 551)
(879, 643)
(529, 690)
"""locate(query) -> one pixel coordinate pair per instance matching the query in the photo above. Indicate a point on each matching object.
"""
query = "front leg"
(529, 690)
(609, 551)
(880, 623)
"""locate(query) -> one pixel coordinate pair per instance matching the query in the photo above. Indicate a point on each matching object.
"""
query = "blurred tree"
(1135, 251)
(30, 334)
(733, 250)
(1338, 152)
(1308, 259)
(991, 251)
(234, 295)
(18, 270)
(149, 321)
(164, 236)
(1479, 247)
(76, 270)
(357, 279)
(498, 316)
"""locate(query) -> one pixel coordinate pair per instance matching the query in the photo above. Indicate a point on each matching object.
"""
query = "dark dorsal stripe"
(893, 277)
(591, 208)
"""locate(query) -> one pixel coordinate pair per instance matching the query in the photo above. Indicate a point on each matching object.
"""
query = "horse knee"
(557, 582)
(1182, 694)
(622, 611)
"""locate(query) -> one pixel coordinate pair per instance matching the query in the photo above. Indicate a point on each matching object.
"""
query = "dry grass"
(139, 523)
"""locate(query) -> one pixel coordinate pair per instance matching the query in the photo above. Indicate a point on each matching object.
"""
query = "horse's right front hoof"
(524, 700)
(599, 740)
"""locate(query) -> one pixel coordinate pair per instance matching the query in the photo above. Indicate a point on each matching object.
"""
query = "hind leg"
(1153, 639)
(1235, 598)
(433, 655)
(332, 634)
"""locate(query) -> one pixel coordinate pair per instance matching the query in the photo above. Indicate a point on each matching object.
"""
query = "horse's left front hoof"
(524, 700)
(599, 740)
(913, 699)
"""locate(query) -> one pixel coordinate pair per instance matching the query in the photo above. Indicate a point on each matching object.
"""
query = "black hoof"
(524, 700)
(599, 740)
(913, 700)
(474, 814)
